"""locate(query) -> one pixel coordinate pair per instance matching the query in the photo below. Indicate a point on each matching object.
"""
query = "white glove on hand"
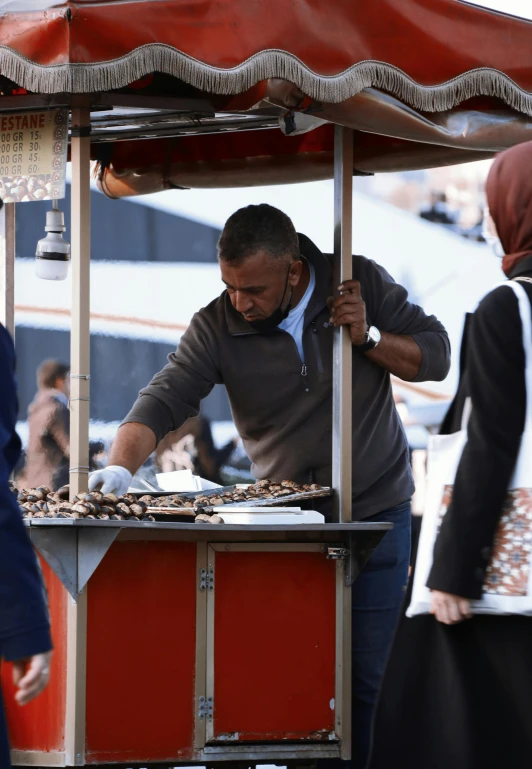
(111, 480)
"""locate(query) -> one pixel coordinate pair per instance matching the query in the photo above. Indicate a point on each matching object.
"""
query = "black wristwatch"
(373, 337)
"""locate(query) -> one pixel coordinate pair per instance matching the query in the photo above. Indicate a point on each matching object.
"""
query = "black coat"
(495, 381)
(24, 625)
(460, 697)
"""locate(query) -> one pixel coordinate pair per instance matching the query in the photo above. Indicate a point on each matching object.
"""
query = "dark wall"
(122, 230)
(120, 367)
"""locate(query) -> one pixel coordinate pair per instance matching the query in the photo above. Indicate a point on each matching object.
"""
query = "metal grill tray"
(325, 491)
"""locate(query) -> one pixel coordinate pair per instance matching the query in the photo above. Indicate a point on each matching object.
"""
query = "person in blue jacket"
(24, 624)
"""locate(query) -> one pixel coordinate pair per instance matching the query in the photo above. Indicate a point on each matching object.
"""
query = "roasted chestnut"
(109, 499)
(63, 492)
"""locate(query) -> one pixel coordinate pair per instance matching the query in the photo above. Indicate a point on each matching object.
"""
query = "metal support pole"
(7, 267)
(80, 331)
(342, 349)
(76, 680)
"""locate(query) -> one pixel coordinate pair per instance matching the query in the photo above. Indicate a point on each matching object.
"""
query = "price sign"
(33, 155)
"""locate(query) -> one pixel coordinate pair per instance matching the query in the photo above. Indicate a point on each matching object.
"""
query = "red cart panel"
(141, 646)
(274, 646)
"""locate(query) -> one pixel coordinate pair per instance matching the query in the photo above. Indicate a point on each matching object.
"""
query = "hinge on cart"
(346, 555)
(337, 553)
(206, 579)
(206, 708)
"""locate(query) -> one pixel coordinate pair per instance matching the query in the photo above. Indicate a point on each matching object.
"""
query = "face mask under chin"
(277, 316)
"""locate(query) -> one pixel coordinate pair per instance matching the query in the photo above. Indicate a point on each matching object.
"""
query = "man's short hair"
(49, 372)
(258, 228)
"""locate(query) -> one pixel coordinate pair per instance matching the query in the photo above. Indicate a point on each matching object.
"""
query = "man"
(269, 339)
(48, 419)
(24, 626)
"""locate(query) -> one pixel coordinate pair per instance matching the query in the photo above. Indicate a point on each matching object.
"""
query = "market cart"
(178, 643)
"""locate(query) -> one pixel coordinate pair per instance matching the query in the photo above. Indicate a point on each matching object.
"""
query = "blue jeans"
(378, 594)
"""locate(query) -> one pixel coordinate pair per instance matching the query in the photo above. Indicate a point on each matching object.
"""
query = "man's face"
(63, 385)
(258, 285)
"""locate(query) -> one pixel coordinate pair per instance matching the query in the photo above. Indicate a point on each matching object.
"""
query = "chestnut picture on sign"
(33, 156)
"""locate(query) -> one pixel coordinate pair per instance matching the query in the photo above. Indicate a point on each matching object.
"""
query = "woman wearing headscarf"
(457, 693)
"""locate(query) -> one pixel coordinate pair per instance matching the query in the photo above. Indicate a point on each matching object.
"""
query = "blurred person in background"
(192, 447)
(457, 691)
(97, 455)
(24, 626)
(48, 447)
(438, 210)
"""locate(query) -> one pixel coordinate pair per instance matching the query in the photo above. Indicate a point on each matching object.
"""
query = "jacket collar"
(523, 268)
(237, 326)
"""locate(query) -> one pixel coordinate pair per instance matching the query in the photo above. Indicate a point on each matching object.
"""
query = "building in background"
(150, 271)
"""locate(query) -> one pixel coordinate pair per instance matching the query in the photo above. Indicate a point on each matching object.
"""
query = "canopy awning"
(431, 54)
(422, 83)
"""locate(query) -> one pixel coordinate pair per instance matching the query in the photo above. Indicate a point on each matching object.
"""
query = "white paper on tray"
(184, 480)
(207, 485)
(261, 510)
(268, 518)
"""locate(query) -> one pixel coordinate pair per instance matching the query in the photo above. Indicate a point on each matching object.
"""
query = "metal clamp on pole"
(80, 376)
(79, 468)
(337, 553)
(80, 131)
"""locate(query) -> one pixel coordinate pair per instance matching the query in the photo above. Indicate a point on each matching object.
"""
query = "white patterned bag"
(508, 583)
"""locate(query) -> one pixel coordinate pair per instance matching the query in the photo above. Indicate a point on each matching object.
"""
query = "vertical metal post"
(76, 680)
(7, 267)
(80, 331)
(342, 347)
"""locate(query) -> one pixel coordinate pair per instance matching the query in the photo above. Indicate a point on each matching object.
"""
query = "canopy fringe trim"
(272, 63)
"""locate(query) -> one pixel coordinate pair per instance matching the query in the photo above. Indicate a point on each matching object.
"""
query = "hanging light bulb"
(53, 251)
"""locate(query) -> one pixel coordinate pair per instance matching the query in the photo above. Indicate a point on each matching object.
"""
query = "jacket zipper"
(316, 345)
(304, 369)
